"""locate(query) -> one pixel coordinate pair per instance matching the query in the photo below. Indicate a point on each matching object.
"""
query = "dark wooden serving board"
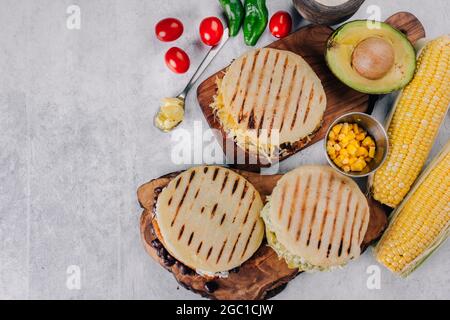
(310, 43)
(264, 274)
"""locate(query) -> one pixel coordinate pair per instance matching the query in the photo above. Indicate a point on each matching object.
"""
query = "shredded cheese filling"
(293, 261)
(248, 139)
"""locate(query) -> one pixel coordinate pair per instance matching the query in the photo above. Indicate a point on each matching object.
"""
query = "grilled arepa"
(268, 100)
(208, 218)
(316, 218)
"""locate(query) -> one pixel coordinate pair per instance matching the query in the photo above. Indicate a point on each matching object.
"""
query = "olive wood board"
(262, 276)
(310, 43)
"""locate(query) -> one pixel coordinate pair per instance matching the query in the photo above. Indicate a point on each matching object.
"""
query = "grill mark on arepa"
(202, 209)
(249, 208)
(236, 211)
(170, 201)
(248, 239)
(221, 251)
(291, 210)
(283, 194)
(180, 233)
(209, 253)
(213, 212)
(177, 183)
(224, 182)
(344, 227)
(180, 204)
(325, 213)
(192, 176)
(302, 213)
(336, 213)
(205, 170)
(251, 118)
(340, 248)
(361, 227)
(313, 218)
(236, 182)
(223, 218)
(195, 196)
(299, 99)
(190, 238)
(249, 80)
(289, 98)
(238, 83)
(277, 98)
(216, 171)
(234, 247)
(199, 247)
(305, 199)
(351, 230)
(244, 190)
(308, 107)
(277, 55)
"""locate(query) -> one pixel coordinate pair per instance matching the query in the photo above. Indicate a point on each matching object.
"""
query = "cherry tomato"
(169, 29)
(280, 24)
(177, 60)
(211, 31)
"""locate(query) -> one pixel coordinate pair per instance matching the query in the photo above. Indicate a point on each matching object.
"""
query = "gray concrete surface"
(76, 140)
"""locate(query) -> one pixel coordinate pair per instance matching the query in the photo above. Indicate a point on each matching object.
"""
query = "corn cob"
(422, 221)
(415, 121)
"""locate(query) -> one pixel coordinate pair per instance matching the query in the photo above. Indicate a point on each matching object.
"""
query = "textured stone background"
(76, 140)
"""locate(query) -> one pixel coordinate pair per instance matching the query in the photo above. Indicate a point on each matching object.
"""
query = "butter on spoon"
(171, 112)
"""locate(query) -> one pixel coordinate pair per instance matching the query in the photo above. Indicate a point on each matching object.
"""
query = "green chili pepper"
(255, 21)
(234, 10)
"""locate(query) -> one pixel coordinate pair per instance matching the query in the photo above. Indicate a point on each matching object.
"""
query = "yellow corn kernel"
(345, 128)
(330, 144)
(337, 128)
(337, 147)
(343, 143)
(360, 136)
(362, 152)
(358, 165)
(332, 136)
(421, 224)
(344, 152)
(355, 128)
(331, 151)
(372, 152)
(351, 149)
(352, 160)
(351, 135)
(415, 122)
(368, 142)
(346, 168)
(354, 142)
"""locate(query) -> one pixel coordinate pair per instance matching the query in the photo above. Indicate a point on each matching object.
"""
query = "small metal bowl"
(374, 129)
(316, 12)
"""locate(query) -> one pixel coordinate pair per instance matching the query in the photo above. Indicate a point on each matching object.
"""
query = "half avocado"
(370, 58)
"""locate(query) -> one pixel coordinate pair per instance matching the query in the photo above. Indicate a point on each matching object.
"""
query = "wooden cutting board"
(262, 276)
(310, 43)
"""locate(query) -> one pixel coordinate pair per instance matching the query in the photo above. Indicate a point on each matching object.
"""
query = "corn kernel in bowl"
(350, 147)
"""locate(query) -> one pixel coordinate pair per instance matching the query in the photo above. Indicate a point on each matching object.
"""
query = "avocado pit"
(373, 58)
